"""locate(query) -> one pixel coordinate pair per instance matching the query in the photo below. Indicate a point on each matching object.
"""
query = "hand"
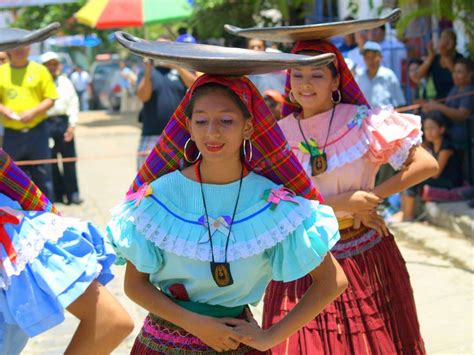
(27, 116)
(259, 339)
(69, 134)
(9, 114)
(431, 106)
(431, 51)
(219, 333)
(148, 67)
(373, 221)
(409, 159)
(362, 202)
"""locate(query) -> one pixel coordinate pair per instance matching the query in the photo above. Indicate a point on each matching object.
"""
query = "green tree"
(34, 17)
(210, 16)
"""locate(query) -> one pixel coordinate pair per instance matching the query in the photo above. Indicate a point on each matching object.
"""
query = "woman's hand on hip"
(371, 220)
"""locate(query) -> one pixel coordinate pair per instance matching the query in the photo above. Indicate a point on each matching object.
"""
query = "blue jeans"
(83, 100)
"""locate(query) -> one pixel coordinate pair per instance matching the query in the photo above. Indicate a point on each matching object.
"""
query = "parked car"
(103, 72)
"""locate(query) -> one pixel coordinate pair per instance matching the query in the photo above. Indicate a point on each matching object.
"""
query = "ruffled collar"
(348, 140)
(275, 213)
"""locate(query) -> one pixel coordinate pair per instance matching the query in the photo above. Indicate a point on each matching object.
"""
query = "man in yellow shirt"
(27, 91)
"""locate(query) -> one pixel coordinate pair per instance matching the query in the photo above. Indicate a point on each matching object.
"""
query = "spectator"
(81, 81)
(457, 109)
(440, 66)
(355, 54)
(256, 44)
(270, 81)
(161, 89)
(393, 51)
(378, 83)
(449, 175)
(127, 82)
(420, 89)
(62, 119)
(274, 101)
(348, 41)
(3, 60)
(27, 91)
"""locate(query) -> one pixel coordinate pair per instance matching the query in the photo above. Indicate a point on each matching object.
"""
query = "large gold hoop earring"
(339, 97)
(186, 156)
(291, 97)
(245, 150)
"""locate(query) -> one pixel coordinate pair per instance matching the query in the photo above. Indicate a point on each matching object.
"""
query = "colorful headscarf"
(272, 156)
(17, 185)
(350, 91)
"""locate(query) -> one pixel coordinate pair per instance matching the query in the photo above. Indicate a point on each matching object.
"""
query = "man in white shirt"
(393, 51)
(355, 54)
(81, 80)
(62, 119)
(379, 84)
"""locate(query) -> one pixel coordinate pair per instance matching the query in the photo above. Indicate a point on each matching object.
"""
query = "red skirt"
(159, 336)
(375, 315)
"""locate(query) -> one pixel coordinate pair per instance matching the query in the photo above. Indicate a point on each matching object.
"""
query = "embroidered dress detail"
(261, 223)
(144, 190)
(158, 223)
(275, 196)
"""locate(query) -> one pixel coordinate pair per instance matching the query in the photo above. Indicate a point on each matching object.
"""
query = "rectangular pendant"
(319, 164)
(221, 274)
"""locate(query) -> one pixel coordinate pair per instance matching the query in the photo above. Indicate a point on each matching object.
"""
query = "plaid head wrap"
(17, 185)
(272, 156)
(350, 91)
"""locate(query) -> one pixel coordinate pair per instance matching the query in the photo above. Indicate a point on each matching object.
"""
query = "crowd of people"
(295, 152)
(440, 83)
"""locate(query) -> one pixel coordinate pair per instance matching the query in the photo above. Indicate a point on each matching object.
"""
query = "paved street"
(443, 288)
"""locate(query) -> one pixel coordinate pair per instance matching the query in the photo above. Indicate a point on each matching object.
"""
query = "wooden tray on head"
(310, 32)
(16, 37)
(217, 60)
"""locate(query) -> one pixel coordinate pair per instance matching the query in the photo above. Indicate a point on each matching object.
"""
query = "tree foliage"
(34, 17)
(210, 16)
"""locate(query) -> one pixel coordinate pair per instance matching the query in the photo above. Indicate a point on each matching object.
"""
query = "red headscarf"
(350, 91)
(272, 156)
(15, 184)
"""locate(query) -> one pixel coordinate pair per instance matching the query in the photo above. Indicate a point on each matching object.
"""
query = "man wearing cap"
(63, 117)
(379, 84)
(27, 91)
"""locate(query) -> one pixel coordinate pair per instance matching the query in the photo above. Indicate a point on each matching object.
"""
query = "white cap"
(46, 57)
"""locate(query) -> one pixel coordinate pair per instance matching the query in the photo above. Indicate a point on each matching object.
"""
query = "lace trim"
(238, 250)
(340, 159)
(400, 156)
(355, 152)
(30, 246)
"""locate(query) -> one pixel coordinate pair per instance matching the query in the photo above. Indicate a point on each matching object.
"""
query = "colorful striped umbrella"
(105, 14)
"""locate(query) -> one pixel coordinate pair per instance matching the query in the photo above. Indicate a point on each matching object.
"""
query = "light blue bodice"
(165, 235)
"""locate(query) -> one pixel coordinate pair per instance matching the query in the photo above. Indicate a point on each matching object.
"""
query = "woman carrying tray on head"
(203, 242)
(341, 142)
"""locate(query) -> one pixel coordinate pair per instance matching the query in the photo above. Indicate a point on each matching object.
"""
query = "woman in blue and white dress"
(51, 264)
